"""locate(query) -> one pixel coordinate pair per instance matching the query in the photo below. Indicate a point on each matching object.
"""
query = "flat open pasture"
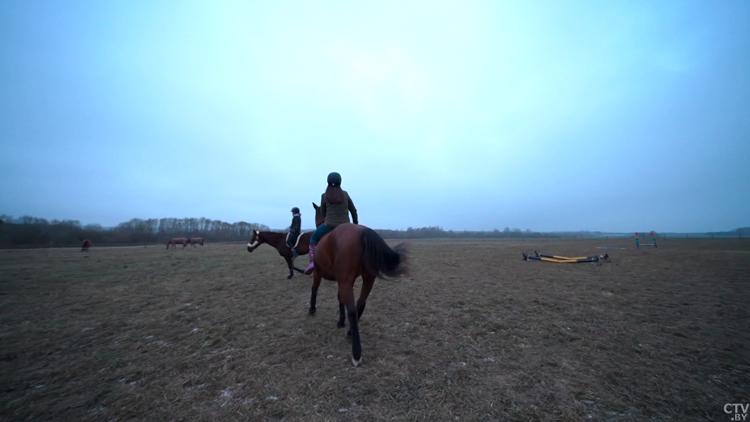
(474, 332)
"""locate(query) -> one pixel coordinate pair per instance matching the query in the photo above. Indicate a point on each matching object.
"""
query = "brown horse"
(347, 252)
(85, 245)
(278, 241)
(195, 241)
(177, 241)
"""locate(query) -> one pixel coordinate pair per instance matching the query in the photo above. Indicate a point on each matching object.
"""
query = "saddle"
(296, 241)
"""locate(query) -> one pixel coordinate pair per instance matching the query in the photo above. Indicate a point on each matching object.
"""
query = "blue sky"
(470, 115)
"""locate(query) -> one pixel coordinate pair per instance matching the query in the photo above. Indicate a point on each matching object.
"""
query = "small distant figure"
(85, 245)
(294, 230)
(177, 241)
(195, 241)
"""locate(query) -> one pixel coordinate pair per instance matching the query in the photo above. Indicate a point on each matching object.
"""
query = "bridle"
(256, 242)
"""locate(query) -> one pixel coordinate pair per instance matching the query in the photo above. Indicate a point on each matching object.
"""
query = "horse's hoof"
(340, 325)
(312, 311)
(356, 362)
(289, 277)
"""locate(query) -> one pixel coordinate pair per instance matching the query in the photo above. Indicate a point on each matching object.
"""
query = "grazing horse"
(177, 241)
(278, 241)
(347, 252)
(85, 245)
(195, 240)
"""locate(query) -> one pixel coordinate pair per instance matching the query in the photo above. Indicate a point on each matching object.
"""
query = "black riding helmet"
(334, 179)
(295, 210)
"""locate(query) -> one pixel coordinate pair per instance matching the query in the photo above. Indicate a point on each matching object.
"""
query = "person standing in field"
(335, 205)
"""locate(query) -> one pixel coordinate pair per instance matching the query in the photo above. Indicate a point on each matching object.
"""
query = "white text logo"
(737, 410)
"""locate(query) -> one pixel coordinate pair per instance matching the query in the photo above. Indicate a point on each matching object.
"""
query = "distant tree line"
(29, 231)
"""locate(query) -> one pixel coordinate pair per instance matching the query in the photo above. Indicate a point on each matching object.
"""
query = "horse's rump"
(348, 244)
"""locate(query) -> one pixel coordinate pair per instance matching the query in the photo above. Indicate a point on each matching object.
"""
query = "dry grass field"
(473, 333)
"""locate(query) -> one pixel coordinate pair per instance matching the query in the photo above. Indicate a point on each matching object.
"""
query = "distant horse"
(85, 245)
(278, 241)
(177, 241)
(195, 240)
(347, 252)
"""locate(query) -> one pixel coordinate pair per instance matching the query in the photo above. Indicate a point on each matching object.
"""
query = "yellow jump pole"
(560, 257)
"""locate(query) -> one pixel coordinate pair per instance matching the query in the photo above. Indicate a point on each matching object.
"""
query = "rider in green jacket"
(335, 204)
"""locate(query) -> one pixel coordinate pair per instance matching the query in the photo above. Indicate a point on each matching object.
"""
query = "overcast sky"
(469, 115)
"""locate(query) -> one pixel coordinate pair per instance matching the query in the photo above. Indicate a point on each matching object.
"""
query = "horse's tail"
(379, 258)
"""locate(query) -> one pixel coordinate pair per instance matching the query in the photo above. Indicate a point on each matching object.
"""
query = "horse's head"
(319, 217)
(254, 242)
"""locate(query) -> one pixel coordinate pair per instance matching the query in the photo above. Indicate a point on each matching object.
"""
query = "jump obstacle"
(566, 260)
(637, 241)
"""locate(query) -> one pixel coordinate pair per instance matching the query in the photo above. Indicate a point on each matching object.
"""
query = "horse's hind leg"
(342, 315)
(346, 291)
(314, 294)
(367, 281)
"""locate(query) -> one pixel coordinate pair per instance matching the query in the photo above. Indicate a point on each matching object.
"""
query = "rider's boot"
(310, 268)
(294, 254)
